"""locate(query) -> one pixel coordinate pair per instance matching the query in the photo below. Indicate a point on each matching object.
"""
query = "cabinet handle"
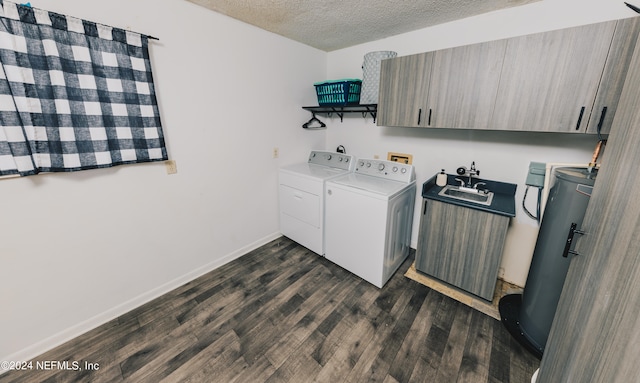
(429, 122)
(604, 113)
(580, 118)
(424, 207)
(419, 115)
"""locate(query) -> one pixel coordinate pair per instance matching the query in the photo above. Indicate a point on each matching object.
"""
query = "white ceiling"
(334, 24)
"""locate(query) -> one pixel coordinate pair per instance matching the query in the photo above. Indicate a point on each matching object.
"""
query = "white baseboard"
(31, 352)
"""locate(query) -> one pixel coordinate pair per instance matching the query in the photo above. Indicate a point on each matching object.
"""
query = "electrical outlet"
(276, 152)
(171, 166)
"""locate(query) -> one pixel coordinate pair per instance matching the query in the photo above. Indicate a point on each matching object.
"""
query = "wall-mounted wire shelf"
(364, 109)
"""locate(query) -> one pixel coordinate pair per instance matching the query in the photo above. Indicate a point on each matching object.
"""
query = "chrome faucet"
(463, 172)
(479, 183)
(473, 172)
(475, 187)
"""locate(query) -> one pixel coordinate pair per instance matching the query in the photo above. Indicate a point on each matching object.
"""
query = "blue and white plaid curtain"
(74, 94)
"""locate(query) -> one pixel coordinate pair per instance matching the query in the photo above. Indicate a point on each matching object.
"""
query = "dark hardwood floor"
(283, 314)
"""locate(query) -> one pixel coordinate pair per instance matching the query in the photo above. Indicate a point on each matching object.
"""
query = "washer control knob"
(340, 159)
(368, 164)
(381, 167)
(395, 169)
(328, 156)
(404, 170)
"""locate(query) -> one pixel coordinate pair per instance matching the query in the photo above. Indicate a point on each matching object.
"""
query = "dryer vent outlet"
(400, 157)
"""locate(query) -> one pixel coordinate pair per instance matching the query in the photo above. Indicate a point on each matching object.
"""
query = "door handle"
(602, 115)
(419, 115)
(567, 246)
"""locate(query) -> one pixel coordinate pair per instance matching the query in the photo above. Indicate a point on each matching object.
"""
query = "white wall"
(501, 156)
(81, 248)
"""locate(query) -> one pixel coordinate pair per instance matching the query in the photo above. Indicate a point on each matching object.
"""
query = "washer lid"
(314, 171)
(371, 184)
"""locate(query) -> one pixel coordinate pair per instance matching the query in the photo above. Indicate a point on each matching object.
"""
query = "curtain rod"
(28, 5)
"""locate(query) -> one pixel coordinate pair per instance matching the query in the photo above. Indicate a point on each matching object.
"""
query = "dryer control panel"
(390, 170)
(332, 159)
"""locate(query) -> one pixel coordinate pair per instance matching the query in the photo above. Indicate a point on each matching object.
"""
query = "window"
(74, 94)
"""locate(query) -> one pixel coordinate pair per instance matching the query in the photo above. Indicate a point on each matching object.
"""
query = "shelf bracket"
(372, 110)
(364, 109)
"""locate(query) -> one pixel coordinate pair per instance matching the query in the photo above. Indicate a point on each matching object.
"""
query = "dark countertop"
(504, 195)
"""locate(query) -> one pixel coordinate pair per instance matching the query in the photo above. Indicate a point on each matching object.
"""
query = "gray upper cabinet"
(567, 80)
(549, 80)
(451, 88)
(614, 74)
(403, 83)
(464, 84)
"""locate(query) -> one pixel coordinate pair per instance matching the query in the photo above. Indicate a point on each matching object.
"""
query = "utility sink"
(467, 194)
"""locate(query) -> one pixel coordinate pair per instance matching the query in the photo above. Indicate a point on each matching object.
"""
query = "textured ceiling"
(334, 24)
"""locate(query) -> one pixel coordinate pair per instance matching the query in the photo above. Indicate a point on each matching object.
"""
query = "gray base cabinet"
(461, 246)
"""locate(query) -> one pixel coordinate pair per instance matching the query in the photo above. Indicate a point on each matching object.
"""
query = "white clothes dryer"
(369, 215)
(301, 197)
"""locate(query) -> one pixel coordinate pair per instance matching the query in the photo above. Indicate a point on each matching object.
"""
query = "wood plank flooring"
(283, 314)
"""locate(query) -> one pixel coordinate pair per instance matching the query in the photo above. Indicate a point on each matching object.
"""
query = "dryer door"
(300, 205)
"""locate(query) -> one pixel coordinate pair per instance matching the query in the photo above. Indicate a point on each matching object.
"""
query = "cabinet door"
(615, 72)
(461, 246)
(464, 84)
(403, 90)
(549, 80)
(595, 336)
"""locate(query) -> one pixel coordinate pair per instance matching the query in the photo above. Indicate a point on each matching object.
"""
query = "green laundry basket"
(338, 92)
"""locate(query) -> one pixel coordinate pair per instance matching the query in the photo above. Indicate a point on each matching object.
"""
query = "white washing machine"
(369, 214)
(301, 196)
